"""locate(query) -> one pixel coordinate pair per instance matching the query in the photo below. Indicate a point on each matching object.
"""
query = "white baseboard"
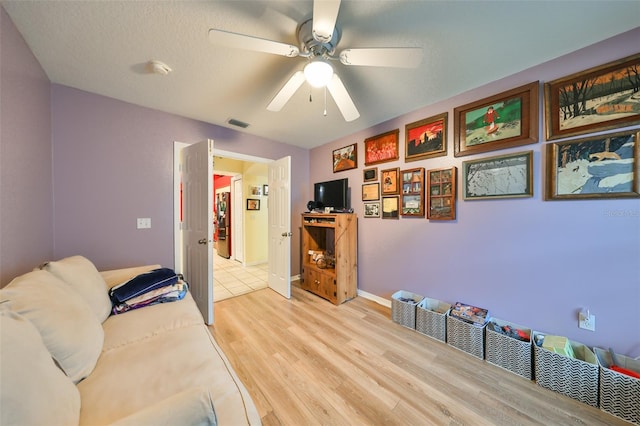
(379, 300)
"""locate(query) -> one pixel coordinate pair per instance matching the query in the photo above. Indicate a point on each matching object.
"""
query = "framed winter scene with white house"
(604, 166)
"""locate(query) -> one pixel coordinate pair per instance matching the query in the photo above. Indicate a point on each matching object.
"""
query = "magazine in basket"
(470, 313)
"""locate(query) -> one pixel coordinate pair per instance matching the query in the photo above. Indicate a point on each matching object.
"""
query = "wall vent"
(238, 123)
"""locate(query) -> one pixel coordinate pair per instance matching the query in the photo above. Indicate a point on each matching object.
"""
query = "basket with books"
(465, 328)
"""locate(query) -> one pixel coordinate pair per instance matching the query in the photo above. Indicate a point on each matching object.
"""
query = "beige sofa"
(64, 360)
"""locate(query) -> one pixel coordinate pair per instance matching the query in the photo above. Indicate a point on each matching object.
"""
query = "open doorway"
(244, 268)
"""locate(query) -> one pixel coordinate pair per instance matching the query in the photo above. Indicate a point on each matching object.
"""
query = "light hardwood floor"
(308, 362)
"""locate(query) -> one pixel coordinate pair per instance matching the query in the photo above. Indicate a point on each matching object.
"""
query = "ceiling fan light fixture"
(318, 72)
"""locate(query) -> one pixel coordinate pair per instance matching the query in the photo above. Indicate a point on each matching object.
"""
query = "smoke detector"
(158, 67)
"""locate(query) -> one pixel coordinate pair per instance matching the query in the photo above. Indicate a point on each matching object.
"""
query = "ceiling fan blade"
(342, 99)
(397, 57)
(243, 41)
(286, 92)
(325, 13)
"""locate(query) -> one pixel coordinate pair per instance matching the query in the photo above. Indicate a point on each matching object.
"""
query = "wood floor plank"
(306, 361)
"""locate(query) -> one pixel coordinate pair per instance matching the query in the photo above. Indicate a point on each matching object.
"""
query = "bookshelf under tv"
(329, 255)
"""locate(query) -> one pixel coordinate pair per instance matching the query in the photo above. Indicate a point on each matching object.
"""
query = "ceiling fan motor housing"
(312, 47)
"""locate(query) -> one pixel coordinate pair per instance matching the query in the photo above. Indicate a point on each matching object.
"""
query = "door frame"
(177, 223)
(177, 230)
(237, 220)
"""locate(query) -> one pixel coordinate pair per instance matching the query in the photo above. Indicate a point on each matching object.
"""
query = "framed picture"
(390, 207)
(345, 158)
(503, 176)
(255, 190)
(501, 121)
(369, 175)
(426, 138)
(600, 98)
(390, 179)
(253, 204)
(372, 209)
(412, 192)
(370, 191)
(441, 194)
(265, 190)
(604, 166)
(381, 148)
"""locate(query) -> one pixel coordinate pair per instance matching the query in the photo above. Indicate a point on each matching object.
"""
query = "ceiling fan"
(318, 38)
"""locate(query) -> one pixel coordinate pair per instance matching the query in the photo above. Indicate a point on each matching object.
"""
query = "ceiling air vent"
(238, 123)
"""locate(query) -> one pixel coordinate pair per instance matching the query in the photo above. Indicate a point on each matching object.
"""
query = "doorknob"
(286, 234)
(202, 241)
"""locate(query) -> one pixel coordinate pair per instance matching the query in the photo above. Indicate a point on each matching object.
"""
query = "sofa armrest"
(118, 276)
(191, 407)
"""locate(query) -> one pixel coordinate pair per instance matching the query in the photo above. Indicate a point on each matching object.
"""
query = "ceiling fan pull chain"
(325, 101)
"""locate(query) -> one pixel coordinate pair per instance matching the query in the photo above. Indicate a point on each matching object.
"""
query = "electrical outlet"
(587, 321)
(143, 223)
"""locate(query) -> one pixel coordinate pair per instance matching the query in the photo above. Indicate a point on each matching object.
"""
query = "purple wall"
(113, 163)
(26, 208)
(529, 261)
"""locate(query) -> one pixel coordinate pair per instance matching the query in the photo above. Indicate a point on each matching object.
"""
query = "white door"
(197, 190)
(237, 211)
(279, 234)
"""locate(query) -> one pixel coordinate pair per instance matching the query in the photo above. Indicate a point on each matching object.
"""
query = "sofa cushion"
(69, 328)
(156, 368)
(33, 390)
(191, 407)
(81, 275)
(140, 324)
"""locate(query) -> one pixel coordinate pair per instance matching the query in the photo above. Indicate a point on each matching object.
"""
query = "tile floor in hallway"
(231, 279)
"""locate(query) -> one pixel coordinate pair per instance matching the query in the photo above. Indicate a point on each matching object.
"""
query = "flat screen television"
(333, 193)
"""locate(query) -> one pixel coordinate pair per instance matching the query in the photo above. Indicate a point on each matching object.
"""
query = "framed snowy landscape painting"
(604, 166)
(600, 98)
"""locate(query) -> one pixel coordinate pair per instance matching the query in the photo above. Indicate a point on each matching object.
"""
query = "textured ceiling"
(103, 46)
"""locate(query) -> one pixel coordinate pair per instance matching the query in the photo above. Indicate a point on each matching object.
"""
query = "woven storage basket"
(404, 312)
(508, 352)
(465, 336)
(574, 377)
(431, 318)
(619, 393)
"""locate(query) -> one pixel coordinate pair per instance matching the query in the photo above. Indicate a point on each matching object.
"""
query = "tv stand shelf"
(333, 236)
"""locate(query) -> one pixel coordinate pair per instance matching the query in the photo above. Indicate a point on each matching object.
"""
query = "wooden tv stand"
(335, 235)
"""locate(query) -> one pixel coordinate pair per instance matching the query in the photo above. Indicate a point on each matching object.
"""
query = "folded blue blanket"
(170, 293)
(143, 283)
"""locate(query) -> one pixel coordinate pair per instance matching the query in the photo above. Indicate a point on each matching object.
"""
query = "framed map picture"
(503, 176)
